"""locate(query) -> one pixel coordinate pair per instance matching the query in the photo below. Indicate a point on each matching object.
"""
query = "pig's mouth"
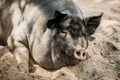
(71, 61)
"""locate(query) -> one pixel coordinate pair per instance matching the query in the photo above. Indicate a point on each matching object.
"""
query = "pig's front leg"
(21, 54)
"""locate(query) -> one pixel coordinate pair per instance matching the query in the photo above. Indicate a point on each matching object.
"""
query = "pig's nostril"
(78, 53)
(83, 54)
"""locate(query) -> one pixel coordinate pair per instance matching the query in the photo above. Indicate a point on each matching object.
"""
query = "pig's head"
(70, 39)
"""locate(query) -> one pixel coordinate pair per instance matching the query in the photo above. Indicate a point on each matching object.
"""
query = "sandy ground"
(103, 62)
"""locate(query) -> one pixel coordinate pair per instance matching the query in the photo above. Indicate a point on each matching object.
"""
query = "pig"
(52, 34)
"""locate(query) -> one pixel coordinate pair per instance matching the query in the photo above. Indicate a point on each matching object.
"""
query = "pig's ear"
(51, 24)
(92, 23)
(60, 16)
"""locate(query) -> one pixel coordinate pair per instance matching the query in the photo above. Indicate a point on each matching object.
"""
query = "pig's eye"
(62, 33)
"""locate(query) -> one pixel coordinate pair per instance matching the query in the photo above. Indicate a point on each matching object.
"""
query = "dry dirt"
(103, 62)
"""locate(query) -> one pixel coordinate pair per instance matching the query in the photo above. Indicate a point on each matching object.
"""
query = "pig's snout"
(79, 53)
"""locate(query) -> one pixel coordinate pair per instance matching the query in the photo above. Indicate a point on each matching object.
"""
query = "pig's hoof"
(22, 68)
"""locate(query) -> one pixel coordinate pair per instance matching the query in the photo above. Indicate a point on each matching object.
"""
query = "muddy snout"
(79, 53)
